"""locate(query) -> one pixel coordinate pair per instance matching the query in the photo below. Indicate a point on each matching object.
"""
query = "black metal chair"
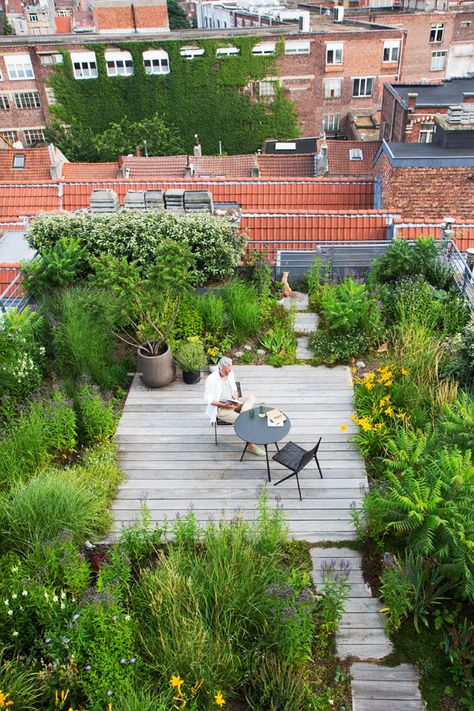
(296, 458)
(221, 423)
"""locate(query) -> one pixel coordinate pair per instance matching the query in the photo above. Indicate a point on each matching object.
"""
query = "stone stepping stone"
(297, 301)
(376, 688)
(362, 630)
(302, 350)
(306, 322)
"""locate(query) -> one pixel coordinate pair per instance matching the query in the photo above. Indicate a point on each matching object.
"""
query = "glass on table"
(251, 412)
(261, 410)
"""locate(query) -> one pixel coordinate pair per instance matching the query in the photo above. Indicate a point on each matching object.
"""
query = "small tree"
(177, 16)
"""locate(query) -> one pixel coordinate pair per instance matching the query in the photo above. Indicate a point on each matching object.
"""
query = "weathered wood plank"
(386, 690)
(377, 672)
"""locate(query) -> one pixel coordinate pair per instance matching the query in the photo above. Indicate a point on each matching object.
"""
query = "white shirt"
(213, 391)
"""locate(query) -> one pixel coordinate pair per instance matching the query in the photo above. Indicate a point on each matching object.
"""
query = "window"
(156, 61)
(466, 24)
(4, 103)
(191, 52)
(356, 154)
(362, 86)
(10, 136)
(33, 136)
(266, 87)
(27, 100)
(50, 96)
(426, 132)
(264, 48)
(438, 60)
(297, 47)
(46, 59)
(334, 53)
(84, 65)
(119, 64)
(19, 160)
(332, 88)
(391, 51)
(331, 123)
(227, 51)
(33, 18)
(36, 30)
(19, 67)
(437, 32)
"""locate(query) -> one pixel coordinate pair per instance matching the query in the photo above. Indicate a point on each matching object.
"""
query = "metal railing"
(463, 271)
(14, 296)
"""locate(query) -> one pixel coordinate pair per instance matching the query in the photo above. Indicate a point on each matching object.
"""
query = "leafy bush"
(213, 312)
(403, 260)
(279, 341)
(276, 686)
(135, 236)
(24, 446)
(459, 646)
(61, 424)
(316, 276)
(21, 355)
(243, 309)
(61, 264)
(459, 360)
(458, 423)
(189, 322)
(333, 348)
(97, 414)
(191, 356)
(19, 685)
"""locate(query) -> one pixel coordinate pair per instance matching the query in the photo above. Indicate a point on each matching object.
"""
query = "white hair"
(224, 362)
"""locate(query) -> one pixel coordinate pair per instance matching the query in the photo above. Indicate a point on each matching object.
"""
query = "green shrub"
(191, 356)
(458, 423)
(242, 306)
(21, 684)
(404, 260)
(459, 646)
(213, 312)
(189, 323)
(97, 415)
(459, 360)
(316, 276)
(332, 348)
(213, 242)
(279, 341)
(24, 446)
(276, 686)
(60, 420)
(47, 504)
(62, 264)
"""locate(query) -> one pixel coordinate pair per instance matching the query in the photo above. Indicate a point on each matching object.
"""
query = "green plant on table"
(191, 356)
(146, 303)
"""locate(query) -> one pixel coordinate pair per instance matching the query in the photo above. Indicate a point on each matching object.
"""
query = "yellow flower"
(404, 371)
(388, 383)
(197, 686)
(389, 411)
(370, 376)
(369, 386)
(343, 427)
(3, 700)
(353, 371)
(401, 414)
(218, 699)
(384, 401)
(177, 682)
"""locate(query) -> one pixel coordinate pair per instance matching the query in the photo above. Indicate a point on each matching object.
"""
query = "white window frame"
(53, 58)
(332, 88)
(466, 24)
(4, 102)
(191, 51)
(365, 87)
(51, 99)
(33, 18)
(10, 136)
(19, 159)
(87, 62)
(437, 33)
(264, 48)
(297, 47)
(331, 123)
(119, 63)
(266, 88)
(391, 51)
(27, 100)
(227, 51)
(33, 135)
(356, 154)
(158, 60)
(438, 60)
(19, 67)
(334, 53)
(426, 132)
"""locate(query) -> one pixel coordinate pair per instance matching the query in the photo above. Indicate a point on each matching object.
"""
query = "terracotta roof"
(86, 171)
(63, 25)
(274, 165)
(339, 162)
(37, 164)
(154, 167)
(19, 200)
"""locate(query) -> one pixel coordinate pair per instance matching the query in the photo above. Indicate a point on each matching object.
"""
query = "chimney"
(322, 165)
(197, 147)
(255, 171)
(412, 101)
(56, 162)
(468, 97)
(137, 151)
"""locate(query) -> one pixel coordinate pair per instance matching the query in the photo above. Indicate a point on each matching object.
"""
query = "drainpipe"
(61, 195)
(133, 17)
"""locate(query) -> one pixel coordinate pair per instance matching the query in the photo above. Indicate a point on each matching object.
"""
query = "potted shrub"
(146, 305)
(191, 358)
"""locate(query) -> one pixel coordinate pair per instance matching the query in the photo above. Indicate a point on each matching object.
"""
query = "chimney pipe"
(197, 147)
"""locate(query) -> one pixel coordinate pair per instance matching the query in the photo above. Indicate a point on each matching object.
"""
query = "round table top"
(256, 430)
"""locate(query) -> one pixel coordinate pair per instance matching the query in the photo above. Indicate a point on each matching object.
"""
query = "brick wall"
(427, 193)
(14, 118)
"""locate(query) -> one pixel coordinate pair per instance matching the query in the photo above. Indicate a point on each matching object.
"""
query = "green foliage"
(397, 592)
(458, 423)
(316, 276)
(20, 683)
(21, 355)
(189, 322)
(118, 139)
(140, 539)
(206, 96)
(61, 424)
(404, 260)
(191, 356)
(135, 236)
(177, 16)
(276, 686)
(97, 414)
(24, 446)
(81, 319)
(243, 310)
(333, 348)
(348, 308)
(459, 646)
(7, 28)
(459, 361)
(61, 264)
(212, 308)
(335, 588)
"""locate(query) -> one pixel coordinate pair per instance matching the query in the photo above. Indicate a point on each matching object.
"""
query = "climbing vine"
(208, 95)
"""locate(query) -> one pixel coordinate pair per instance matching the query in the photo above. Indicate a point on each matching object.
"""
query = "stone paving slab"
(306, 322)
(302, 350)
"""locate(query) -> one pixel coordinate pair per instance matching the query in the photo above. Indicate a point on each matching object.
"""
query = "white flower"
(127, 617)
(63, 595)
(24, 593)
(15, 569)
(14, 596)
(63, 606)
(10, 612)
(46, 596)
(55, 598)
(6, 602)
(14, 633)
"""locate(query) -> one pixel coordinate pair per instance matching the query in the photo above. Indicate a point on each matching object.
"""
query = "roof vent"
(174, 200)
(134, 200)
(104, 201)
(154, 199)
(355, 154)
(198, 201)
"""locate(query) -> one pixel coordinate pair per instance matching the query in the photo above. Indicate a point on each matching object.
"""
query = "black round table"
(256, 430)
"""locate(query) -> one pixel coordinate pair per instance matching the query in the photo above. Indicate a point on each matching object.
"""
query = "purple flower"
(76, 616)
(88, 667)
(133, 660)
(115, 618)
(47, 640)
(110, 693)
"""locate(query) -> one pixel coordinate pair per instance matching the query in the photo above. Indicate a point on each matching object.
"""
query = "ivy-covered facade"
(209, 95)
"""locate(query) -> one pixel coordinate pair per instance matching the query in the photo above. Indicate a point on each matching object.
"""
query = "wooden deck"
(167, 452)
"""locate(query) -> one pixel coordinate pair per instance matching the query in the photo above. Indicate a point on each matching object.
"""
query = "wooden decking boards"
(167, 452)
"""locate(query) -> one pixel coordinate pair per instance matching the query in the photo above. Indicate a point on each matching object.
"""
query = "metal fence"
(14, 296)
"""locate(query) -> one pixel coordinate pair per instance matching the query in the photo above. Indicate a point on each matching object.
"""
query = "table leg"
(245, 449)
(268, 463)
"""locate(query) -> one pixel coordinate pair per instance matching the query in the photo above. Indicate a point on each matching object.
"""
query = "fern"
(458, 424)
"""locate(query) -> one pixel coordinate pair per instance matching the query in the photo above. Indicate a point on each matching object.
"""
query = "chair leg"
(285, 478)
(299, 488)
(317, 463)
(215, 432)
(276, 445)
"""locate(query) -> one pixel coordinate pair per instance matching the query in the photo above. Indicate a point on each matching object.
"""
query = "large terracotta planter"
(156, 371)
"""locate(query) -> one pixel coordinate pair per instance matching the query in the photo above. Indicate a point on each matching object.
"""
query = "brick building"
(409, 110)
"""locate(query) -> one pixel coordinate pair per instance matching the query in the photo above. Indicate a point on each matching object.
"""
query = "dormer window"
(19, 160)
(355, 154)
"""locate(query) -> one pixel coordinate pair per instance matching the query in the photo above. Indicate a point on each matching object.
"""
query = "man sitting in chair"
(223, 400)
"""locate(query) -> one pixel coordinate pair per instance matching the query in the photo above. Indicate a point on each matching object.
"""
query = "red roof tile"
(19, 200)
(301, 165)
(63, 25)
(339, 162)
(90, 171)
(37, 164)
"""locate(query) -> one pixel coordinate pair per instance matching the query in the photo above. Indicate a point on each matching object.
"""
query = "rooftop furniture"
(295, 458)
(252, 428)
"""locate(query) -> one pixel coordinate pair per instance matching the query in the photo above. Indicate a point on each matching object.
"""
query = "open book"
(275, 418)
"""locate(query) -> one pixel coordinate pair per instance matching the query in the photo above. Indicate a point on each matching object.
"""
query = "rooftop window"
(19, 160)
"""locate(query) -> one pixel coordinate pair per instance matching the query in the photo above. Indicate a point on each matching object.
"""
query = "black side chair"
(296, 458)
(221, 423)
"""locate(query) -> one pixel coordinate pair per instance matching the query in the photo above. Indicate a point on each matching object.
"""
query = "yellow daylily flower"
(343, 427)
(219, 699)
(176, 682)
